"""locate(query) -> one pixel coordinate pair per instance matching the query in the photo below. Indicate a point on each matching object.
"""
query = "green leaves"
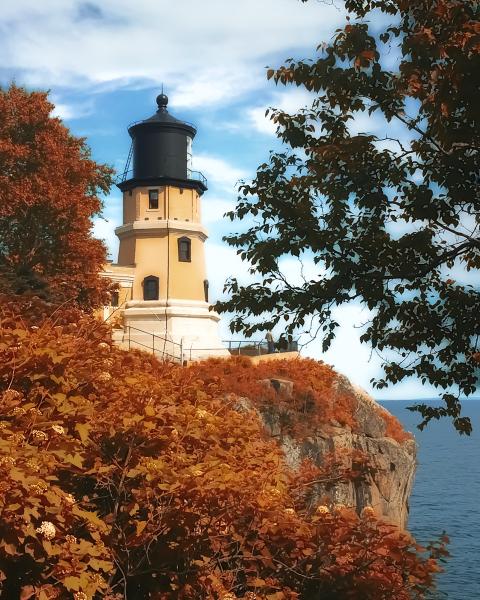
(387, 218)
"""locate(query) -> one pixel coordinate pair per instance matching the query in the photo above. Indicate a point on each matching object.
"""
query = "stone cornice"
(154, 228)
(119, 274)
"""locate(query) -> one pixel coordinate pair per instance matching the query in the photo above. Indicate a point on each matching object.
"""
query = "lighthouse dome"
(162, 148)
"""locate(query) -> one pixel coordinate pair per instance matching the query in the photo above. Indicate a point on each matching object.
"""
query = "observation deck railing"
(191, 176)
(168, 349)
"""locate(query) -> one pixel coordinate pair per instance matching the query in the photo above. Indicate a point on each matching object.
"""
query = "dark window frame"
(153, 202)
(184, 252)
(205, 289)
(151, 279)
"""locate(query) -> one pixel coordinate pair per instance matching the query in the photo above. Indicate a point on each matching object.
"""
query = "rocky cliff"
(386, 467)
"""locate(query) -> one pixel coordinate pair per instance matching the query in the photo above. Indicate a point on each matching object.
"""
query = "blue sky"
(104, 63)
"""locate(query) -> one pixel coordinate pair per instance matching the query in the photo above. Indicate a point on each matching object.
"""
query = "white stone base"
(177, 329)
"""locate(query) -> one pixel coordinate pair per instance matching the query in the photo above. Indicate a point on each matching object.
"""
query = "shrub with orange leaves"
(124, 477)
(316, 399)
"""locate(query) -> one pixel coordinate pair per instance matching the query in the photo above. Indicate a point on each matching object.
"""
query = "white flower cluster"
(32, 464)
(38, 488)
(323, 510)
(103, 377)
(70, 539)
(47, 529)
(58, 429)
(39, 436)
(7, 461)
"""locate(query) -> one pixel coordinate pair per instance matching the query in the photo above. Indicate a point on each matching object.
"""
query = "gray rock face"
(386, 486)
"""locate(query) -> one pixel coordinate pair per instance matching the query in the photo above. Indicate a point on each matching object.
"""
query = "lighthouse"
(161, 271)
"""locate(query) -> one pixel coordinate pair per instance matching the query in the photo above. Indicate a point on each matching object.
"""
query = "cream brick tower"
(161, 259)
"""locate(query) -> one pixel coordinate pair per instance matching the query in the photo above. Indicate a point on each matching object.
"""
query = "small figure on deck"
(270, 342)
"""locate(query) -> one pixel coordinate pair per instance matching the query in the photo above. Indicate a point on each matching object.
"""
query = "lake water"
(446, 495)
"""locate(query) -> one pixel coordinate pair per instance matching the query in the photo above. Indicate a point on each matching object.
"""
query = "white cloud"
(213, 86)
(70, 111)
(207, 52)
(104, 229)
(347, 354)
(219, 172)
(298, 271)
(290, 100)
(357, 361)
(213, 209)
(365, 123)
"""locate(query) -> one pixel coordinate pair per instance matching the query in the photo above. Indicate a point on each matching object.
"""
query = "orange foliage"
(122, 477)
(49, 191)
(394, 428)
(315, 399)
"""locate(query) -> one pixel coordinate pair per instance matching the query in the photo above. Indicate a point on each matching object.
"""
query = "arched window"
(184, 249)
(205, 289)
(150, 288)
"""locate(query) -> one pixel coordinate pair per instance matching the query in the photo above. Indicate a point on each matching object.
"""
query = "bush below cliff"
(122, 477)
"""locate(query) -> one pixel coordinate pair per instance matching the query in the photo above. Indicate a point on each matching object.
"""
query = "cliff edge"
(363, 455)
(385, 479)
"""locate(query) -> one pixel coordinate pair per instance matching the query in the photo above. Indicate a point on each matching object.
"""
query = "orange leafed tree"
(123, 477)
(49, 191)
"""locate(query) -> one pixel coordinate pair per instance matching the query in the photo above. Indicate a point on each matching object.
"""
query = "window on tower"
(150, 288)
(184, 249)
(153, 199)
(205, 289)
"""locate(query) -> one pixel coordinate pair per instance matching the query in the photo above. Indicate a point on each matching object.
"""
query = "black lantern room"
(161, 152)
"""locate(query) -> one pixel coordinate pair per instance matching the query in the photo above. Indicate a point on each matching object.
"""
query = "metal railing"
(127, 169)
(161, 341)
(191, 175)
(179, 352)
(257, 347)
(246, 347)
(124, 175)
(147, 121)
(197, 176)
